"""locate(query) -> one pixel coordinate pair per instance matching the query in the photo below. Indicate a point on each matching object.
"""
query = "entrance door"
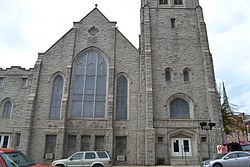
(181, 147)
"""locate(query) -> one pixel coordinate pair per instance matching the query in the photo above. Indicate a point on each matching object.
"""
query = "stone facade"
(171, 71)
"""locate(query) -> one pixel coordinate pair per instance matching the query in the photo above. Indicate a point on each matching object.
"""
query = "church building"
(94, 90)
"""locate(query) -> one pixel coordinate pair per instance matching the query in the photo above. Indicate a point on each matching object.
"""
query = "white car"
(232, 159)
(86, 158)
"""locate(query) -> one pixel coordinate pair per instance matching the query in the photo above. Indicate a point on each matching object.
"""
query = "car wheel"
(217, 165)
(60, 166)
(97, 165)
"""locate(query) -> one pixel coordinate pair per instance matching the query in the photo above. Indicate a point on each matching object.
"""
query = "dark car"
(246, 147)
(15, 158)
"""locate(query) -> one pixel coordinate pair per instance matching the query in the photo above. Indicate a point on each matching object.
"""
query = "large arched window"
(179, 109)
(56, 97)
(121, 98)
(89, 85)
(7, 108)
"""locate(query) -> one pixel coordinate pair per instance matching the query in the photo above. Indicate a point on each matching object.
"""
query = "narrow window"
(7, 109)
(178, 2)
(4, 140)
(121, 98)
(179, 109)
(56, 98)
(1, 82)
(163, 2)
(173, 23)
(18, 139)
(176, 146)
(186, 74)
(168, 74)
(24, 82)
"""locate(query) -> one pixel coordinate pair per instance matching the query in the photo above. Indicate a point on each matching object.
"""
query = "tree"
(232, 122)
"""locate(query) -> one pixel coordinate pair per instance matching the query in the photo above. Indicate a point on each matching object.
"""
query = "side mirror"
(226, 158)
(71, 159)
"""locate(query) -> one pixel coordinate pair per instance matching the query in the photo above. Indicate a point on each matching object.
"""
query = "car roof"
(239, 152)
(7, 150)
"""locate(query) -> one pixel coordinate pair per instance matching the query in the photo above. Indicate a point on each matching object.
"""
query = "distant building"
(93, 90)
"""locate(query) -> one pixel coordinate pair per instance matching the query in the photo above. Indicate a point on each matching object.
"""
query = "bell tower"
(176, 64)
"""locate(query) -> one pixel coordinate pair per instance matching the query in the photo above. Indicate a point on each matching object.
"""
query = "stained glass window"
(121, 98)
(56, 98)
(89, 85)
(179, 109)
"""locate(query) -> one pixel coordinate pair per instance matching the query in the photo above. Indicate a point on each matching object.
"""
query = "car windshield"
(18, 158)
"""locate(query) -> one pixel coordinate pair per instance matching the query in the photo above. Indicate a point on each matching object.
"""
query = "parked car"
(86, 158)
(246, 147)
(15, 158)
(232, 159)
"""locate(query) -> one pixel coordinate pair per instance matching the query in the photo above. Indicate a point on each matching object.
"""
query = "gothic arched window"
(89, 85)
(121, 98)
(179, 109)
(56, 97)
(7, 108)
(168, 74)
(186, 74)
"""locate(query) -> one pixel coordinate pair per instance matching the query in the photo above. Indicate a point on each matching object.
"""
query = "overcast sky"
(31, 26)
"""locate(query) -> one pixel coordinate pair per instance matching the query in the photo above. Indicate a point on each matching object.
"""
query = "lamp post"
(207, 126)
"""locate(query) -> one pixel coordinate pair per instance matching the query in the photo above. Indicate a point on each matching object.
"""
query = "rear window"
(102, 154)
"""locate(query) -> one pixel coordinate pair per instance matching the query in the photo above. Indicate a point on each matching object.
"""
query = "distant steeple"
(225, 98)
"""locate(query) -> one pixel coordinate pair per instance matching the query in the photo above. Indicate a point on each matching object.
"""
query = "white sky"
(31, 26)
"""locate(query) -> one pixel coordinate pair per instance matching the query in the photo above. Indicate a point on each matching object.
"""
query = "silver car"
(232, 159)
(86, 159)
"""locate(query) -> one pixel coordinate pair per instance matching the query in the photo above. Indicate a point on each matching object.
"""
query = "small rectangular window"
(50, 144)
(173, 23)
(178, 2)
(203, 139)
(160, 139)
(99, 142)
(85, 142)
(18, 139)
(24, 82)
(163, 2)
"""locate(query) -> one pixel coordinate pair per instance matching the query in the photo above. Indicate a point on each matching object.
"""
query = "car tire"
(97, 165)
(60, 166)
(217, 165)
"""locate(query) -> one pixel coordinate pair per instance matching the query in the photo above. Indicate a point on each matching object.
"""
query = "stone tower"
(178, 82)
